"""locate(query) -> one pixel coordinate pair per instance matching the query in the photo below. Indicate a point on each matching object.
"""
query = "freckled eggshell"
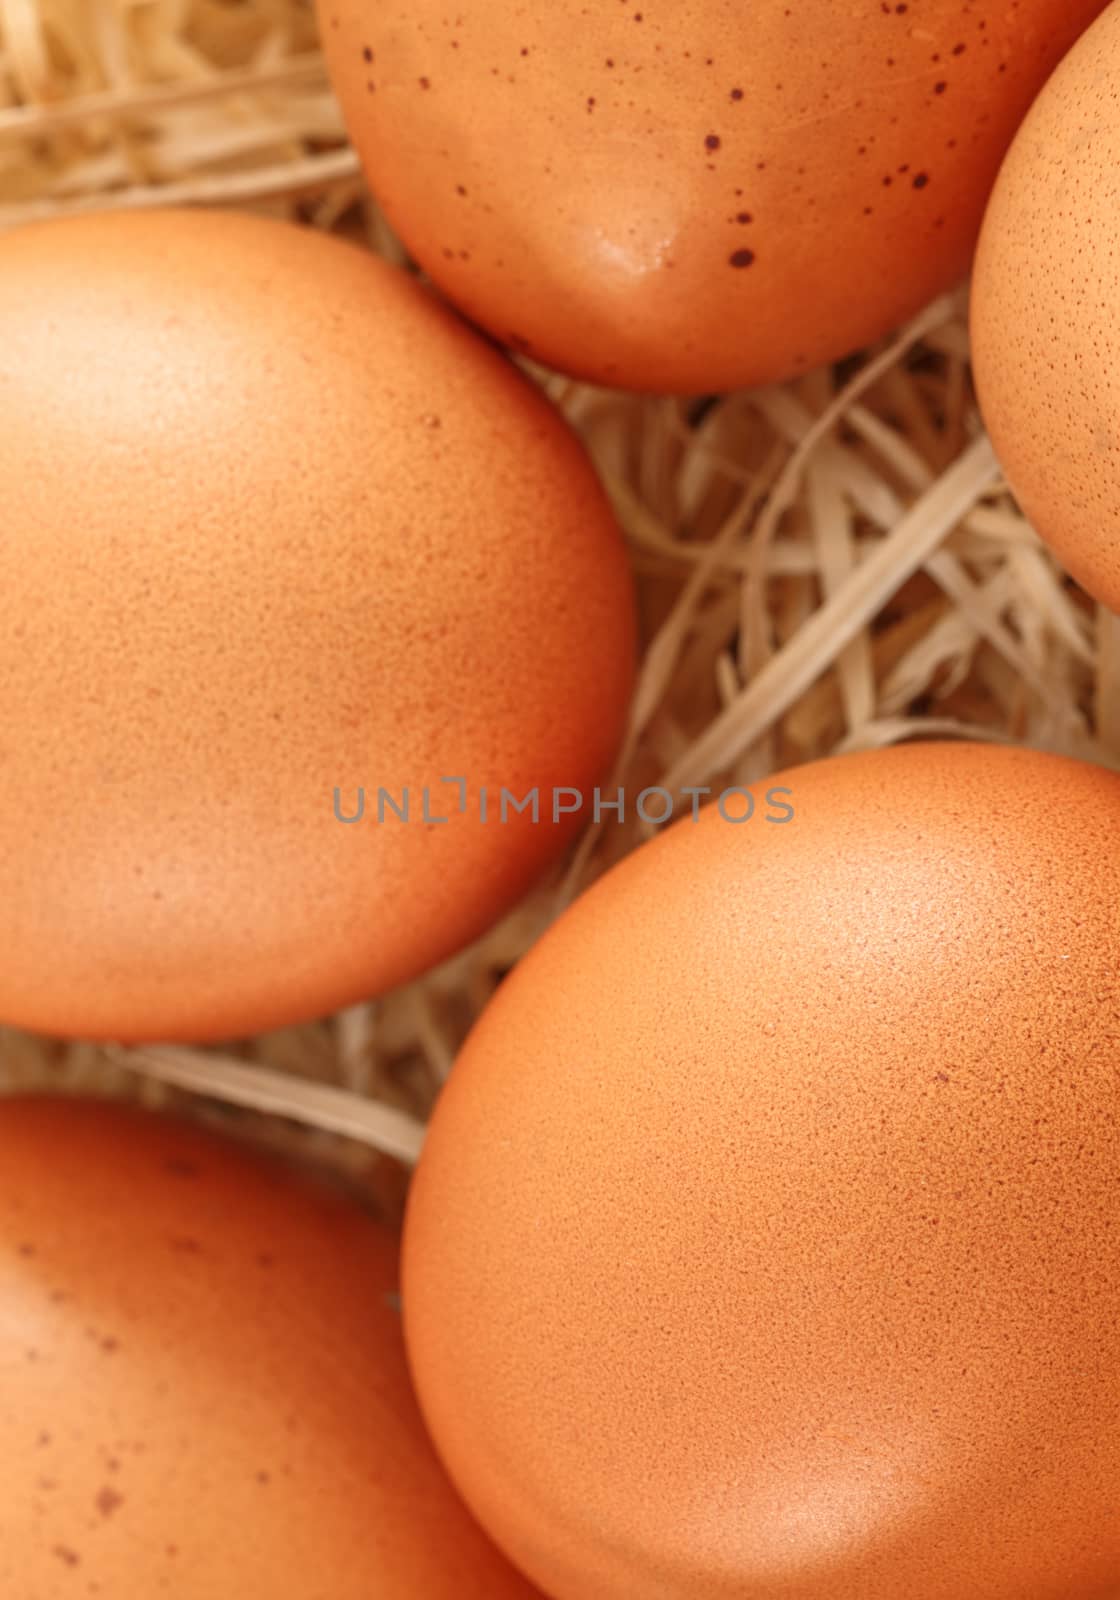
(690, 194)
(1046, 312)
(203, 1388)
(764, 1246)
(274, 522)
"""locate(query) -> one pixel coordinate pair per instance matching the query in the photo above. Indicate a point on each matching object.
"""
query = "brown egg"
(690, 194)
(281, 537)
(203, 1390)
(765, 1241)
(1046, 343)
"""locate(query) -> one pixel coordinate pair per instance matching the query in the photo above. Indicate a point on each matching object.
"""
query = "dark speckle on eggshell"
(108, 1502)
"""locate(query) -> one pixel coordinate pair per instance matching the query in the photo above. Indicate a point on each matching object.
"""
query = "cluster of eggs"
(761, 1248)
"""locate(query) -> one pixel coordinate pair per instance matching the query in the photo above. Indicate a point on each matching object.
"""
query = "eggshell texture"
(764, 1245)
(1046, 312)
(275, 523)
(203, 1389)
(690, 194)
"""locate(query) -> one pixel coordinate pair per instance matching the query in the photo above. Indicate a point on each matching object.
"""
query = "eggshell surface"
(764, 1242)
(690, 195)
(203, 1390)
(1045, 308)
(280, 534)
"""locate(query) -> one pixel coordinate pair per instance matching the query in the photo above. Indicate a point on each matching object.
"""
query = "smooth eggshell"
(274, 523)
(764, 1244)
(690, 194)
(203, 1389)
(1046, 312)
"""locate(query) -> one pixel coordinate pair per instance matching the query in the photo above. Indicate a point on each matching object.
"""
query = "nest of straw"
(832, 564)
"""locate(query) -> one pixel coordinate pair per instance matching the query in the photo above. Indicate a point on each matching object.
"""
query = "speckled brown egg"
(1045, 308)
(203, 1389)
(293, 568)
(690, 194)
(764, 1244)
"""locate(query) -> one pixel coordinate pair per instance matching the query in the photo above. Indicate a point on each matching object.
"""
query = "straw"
(827, 565)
